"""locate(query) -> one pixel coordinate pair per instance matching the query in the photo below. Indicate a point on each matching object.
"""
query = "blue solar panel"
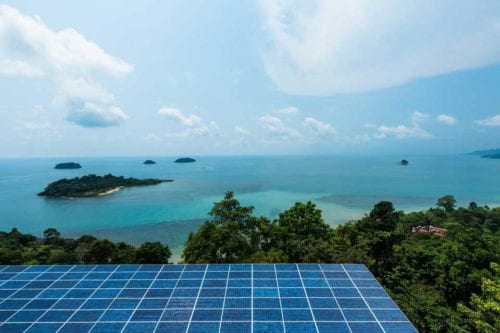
(218, 298)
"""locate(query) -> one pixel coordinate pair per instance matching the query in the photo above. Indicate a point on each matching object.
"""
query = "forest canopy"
(447, 281)
(92, 185)
(444, 282)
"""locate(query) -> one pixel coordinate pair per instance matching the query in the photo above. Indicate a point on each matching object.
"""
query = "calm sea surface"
(344, 187)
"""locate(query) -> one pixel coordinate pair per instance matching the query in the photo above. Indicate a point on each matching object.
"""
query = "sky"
(167, 78)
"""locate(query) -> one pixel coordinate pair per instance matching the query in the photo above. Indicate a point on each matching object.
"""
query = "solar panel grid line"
(108, 278)
(5, 300)
(307, 298)
(197, 298)
(251, 299)
(299, 283)
(170, 297)
(364, 300)
(142, 298)
(76, 311)
(279, 298)
(336, 301)
(46, 288)
(113, 299)
(225, 297)
(3, 283)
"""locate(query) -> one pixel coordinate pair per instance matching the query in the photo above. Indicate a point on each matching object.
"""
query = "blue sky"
(149, 78)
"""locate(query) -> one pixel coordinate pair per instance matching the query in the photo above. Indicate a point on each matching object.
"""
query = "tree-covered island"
(92, 186)
(494, 156)
(68, 165)
(185, 160)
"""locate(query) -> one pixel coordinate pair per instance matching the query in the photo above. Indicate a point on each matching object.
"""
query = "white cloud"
(194, 125)
(287, 110)
(28, 47)
(417, 117)
(209, 129)
(177, 115)
(446, 119)
(90, 114)
(324, 47)
(276, 127)
(402, 132)
(490, 122)
(241, 131)
(320, 128)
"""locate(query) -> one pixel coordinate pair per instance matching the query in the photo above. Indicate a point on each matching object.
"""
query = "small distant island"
(494, 156)
(185, 160)
(93, 186)
(68, 165)
(488, 153)
(149, 162)
(404, 162)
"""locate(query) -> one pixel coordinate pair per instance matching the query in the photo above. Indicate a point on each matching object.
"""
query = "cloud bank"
(29, 48)
(446, 119)
(193, 124)
(489, 122)
(320, 128)
(322, 47)
(275, 126)
(405, 131)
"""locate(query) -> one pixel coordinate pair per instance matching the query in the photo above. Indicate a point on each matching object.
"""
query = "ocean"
(343, 187)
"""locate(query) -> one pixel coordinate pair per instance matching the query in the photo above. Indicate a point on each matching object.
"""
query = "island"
(485, 152)
(185, 160)
(404, 162)
(67, 165)
(148, 162)
(494, 156)
(93, 186)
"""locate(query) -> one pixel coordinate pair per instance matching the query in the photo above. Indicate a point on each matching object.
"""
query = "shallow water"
(344, 187)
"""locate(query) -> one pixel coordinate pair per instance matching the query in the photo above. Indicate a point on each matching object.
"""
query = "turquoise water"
(344, 187)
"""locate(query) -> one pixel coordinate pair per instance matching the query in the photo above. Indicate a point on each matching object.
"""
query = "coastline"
(113, 190)
(172, 233)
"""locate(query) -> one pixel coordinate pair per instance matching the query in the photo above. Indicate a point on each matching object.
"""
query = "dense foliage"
(444, 284)
(18, 248)
(92, 185)
(495, 156)
(447, 283)
(68, 165)
(185, 160)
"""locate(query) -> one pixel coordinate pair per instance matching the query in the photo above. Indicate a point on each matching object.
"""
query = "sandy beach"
(113, 190)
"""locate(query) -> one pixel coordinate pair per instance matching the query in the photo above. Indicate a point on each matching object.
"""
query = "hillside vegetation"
(447, 283)
(443, 284)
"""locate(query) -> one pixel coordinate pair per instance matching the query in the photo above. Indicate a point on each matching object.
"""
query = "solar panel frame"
(196, 298)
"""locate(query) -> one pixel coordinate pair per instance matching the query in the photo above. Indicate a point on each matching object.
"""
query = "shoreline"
(113, 190)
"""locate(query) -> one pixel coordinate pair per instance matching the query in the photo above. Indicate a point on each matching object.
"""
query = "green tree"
(123, 254)
(10, 256)
(52, 236)
(153, 253)
(100, 252)
(232, 235)
(302, 235)
(61, 257)
(484, 310)
(447, 202)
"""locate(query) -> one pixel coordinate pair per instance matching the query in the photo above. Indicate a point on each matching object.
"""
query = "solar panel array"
(239, 298)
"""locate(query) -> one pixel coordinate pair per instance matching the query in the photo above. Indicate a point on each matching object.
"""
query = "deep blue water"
(344, 187)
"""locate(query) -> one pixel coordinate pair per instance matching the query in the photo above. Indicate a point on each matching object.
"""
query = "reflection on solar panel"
(196, 298)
